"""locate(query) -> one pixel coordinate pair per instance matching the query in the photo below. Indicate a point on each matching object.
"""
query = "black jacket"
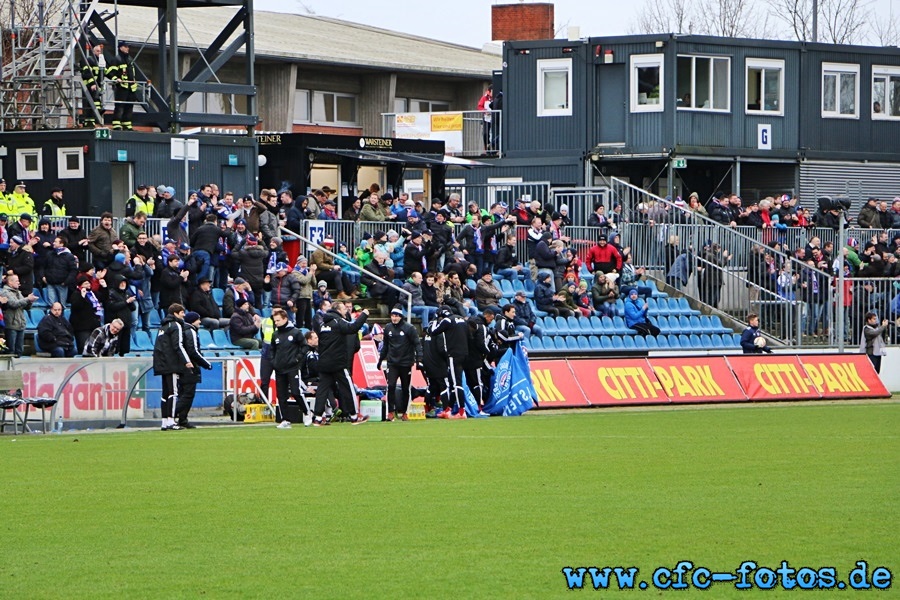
(206, 237)
(192, 347)
(401, 347)
(72, 237)
(284, 289)
(457, 335)
(22, 264)
(171, 288)
(241, 325)
(253, 264)
(481, 346)
(118, 307)
(83, 315)
(287, 349)
(169, 352)
(434, 348)
(333, 343)
(55, 332)
(204, 304)
(61, 268)
(507, 257)
(309, 364)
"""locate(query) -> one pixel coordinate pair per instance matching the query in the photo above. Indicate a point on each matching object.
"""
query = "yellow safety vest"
(22, 203)
(144, 206)
(6, 204)
(268, 330)
(55, 210)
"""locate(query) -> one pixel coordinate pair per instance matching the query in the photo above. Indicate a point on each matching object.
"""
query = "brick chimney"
(522, 21)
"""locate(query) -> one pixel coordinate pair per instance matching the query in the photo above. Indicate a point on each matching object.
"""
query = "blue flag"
(471, 403)
(512, 393)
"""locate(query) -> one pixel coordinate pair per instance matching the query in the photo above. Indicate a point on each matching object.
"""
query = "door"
(234, 179)
(122, 185)
(613, 96)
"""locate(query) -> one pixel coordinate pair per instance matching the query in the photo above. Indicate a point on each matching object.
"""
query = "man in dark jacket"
(287, 355)
(285, 287)
(455, 350)
(170, 361)
(204, 243)
(376, 289)
(21, 262)
(171, 283)
(749, 337)
(334, 376)
(55, 333)
(252, 260)
(481, 350)
(401, 349)
(76, 239)
(187, 383)
(244, 326)
(59, 272)
(203, 303)
(525, 319)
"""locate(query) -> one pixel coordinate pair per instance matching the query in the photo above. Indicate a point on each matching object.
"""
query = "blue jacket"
(634, 313)
(543, 296)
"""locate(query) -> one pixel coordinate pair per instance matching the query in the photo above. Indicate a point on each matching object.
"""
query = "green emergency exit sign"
(679, 163)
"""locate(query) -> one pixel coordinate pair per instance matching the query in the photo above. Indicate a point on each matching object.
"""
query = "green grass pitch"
(487, 508)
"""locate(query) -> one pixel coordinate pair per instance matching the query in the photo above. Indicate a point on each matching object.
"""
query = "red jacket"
(602, 258)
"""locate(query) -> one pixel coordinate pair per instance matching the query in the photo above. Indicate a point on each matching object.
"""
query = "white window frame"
(643, 61)
(554, 65)
(693, 91)
(61, 171)
(305, 95)
(336, 95)
(768, 64)
(21, 172)
(839, 69)
(888, 72)
(429, 103)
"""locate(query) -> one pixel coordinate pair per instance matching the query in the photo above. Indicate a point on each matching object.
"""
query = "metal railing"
(487, 194)
(464, 132)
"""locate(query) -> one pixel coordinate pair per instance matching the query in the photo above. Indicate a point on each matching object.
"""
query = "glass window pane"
(323, 107)
(701, 83)
(440, 107)
(648, 85)
(31, 162)
(894, 87)
(754, 76)
(878, 95)
(301, 106)
(848, 93)
(772, 78)
(828, 95)
(399, 105)
(721, 81)
(346, 109)
(72, 161)
(685, 81)
(556, 89)
(194, 103)
(419, 106)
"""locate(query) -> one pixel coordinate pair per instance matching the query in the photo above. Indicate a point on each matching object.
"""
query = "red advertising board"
(617, 381)
(773, 377)
(556, 385)
(844, 376)
(697, 379)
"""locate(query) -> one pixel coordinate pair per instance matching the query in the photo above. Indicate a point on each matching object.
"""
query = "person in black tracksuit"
(334, 377)
(401, 349)
(187, 383)
(481, 350)
(434, 357)
(171, 360)
(286, 355)
(456, 348)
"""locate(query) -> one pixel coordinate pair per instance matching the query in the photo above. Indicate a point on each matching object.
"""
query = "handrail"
(390, 284)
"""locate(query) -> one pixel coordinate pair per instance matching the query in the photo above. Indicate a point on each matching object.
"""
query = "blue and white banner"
(512, 393)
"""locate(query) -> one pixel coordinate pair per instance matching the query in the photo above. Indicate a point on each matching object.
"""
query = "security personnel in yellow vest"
(139, 202)
(22, 203)
(121, 70)
(6, 204)
(267, 328)
(54, 207)
(93, 72)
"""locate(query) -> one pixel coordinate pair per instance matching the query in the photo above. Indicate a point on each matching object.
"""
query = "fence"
(487, 194)
(463, 132)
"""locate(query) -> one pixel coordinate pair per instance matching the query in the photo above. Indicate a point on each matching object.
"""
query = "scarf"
(95, 303)
(479, 242)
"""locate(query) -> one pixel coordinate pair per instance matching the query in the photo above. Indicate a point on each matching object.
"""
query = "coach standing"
(286, 353)
(334, 351)
(401, 349)
(187, 383)
(170, 360)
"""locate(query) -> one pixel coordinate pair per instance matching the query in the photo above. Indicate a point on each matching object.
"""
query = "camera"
(827, 203)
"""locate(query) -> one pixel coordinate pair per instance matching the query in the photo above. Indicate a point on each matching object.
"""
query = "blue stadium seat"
(205, 339)
(606, 325)
(571, 343)
(33, 317)
(606, 342)
(619, 326)
(534, 308)
(220, 339)
(652, 285)
(154, 319)
(705, 341)
(518, 286)
(620, 307)
(695, 341)
(651, 342)
(595, 342)
(736, 343)
(574, 325)
(672, 303)
(662, 321)
(662, 341)
(717, 341)
(141, 342)
(673, 341)
(586, 326)
(654, 308)
(529, 285)
(561, 343)
(685, 307)
(37, 343)
(596, 324)
(548, 324)
(699, 324)
(684, 325)
(469, 282)
(583, 343)
(41, 302)
(617, 342)
(507, 288)
(534, 342)
(628, 341)
(218, 295)
(67, 314)
(641, 342)
(716, 326)
(685, 341)
(562, 326)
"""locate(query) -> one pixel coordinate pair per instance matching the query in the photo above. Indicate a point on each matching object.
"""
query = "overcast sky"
(468, 22)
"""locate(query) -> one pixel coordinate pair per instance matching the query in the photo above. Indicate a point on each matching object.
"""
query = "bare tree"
(733, 18)
(666, 16)
(840, 21)
(885, 31)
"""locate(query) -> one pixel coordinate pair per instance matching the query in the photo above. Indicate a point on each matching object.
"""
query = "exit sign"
(679, 163)
(101, 134)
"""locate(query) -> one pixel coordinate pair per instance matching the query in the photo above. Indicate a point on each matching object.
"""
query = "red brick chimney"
(522, 21)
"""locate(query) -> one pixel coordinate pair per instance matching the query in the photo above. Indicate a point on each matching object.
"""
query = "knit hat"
(323, 284)
(120, 258)
(397, 311)
(191, 317)
(563, 208)
(251, 239)
(18, 240)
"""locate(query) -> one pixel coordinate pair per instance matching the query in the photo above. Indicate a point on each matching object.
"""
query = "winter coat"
(334, 355)
(14, 309)
(118, 307)
(287, 347)
(401, 347)
(191, 343)
(55, 332)
(61, 268)
(306, 282)
(253, 264)
(206, 237)
(416, 291)
(204, 304)
(72, 237)
(241, 325)
(324, 262)
(634, 312)
(83, 316)
(284, 289)
(171, 288)
(170, 356)
(487, 294)
(21, 263)
(268, 222)
(543, 296)
(129, 232)
(100, 242)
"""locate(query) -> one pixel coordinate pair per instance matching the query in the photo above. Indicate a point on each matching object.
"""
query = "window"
(840, 90)
(69, 163)
(216, 104)
(704, 83)
(400, 105)
(885, 92)
(427, 106)
(554, 92)
(324, 108)
(647, 83)
(765, 86)
(29, 163)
